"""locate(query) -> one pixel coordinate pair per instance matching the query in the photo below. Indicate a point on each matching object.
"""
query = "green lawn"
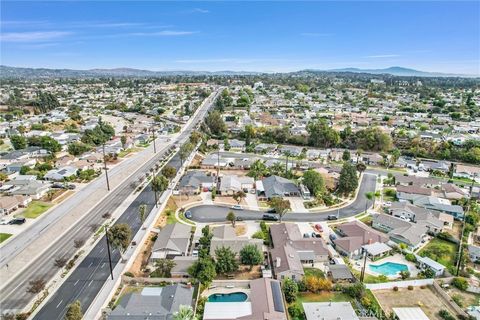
(35, 209)
(314, 272)
(441, 251)
(368, 278)
(325, 296)
(4, 236)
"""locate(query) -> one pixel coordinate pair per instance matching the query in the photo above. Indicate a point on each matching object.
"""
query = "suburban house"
(153, 303)
(439, 204)
(354, 235)
(410, 193)
(225, 236)
(401, 231)
(426, 263)
(31, 188)
(264, 148)
(275, 186)
(61, 174)
(231, 184)
(409, 212)
(291, 250)
(466, 171)
(329, 311)
(173, 240)
(182, 263)
(451, 192)
(193, 182)
(9, 204)
(236, 144)
(292, 151)
(474, 253)
(266, 302)
(417, 181)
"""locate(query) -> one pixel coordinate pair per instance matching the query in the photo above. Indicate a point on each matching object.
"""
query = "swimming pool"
(389, 268)
(228, 297)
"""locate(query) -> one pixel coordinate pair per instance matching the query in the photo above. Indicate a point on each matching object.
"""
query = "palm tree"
(370, 196)
(184, 313)
(159, 184)
(142, 210)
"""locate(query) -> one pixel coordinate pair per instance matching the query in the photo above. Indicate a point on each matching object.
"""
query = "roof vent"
(278, 262)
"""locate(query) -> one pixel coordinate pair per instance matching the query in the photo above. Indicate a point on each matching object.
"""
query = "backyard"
(324, 296)
(425, 298)
(441, 251)
(35, 209)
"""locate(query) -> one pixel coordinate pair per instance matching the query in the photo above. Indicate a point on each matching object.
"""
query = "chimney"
(370, 241)
(278, 262)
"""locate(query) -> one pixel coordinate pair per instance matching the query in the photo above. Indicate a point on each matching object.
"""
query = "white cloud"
(383, 56)
(165, 33)
(36, 36)
(199, 10)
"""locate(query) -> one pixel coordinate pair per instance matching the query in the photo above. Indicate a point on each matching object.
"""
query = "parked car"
(237, 207)
(71, 186)
(57, 185)
(332, 217)
(319, 227)
(188, 214)
(238, 219)
(17, 221)
(316, 235)
(306, 235)
(4, 222)
(270, 217)
(271, 211)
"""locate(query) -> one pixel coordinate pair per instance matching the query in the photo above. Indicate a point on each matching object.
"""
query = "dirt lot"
(183, 200)
(426, 299)
(142, 259)
(244, 273)
(467, 298)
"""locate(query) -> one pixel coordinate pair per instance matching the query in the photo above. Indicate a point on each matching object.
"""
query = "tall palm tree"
(184, 313)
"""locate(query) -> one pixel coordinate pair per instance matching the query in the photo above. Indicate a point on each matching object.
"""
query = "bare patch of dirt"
(141, 260)
(244, 273)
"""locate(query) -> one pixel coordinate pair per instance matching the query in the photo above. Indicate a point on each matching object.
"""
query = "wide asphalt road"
(218, 213)
(86, 281)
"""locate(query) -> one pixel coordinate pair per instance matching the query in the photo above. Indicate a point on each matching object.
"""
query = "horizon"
(268, 37)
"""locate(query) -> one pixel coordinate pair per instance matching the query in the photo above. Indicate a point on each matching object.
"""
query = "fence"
(399, 284)
(231, 283)
(141, 280)
(448, 300)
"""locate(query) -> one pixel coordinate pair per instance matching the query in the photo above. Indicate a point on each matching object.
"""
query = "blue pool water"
(228, 297)
(389, 268)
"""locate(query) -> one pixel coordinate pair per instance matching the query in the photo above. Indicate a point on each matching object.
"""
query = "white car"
(237, 207)
(388, 204)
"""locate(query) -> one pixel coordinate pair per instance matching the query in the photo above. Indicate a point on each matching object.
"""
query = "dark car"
(332, 217)
(271, 211)
(188, 215)
(270, 217)
(58, 186)
(238, 219)
(17, 221)
(71, 186)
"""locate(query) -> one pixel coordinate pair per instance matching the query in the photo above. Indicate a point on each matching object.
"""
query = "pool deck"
(397, 258)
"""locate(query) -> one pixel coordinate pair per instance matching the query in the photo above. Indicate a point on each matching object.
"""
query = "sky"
(268, 36)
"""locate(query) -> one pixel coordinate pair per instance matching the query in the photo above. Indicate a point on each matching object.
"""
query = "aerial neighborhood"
(302, 196)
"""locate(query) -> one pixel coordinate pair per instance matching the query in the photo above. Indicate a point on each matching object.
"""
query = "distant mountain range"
(14, 72)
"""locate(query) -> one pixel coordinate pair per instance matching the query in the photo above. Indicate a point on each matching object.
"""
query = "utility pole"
(218, 168)
(460, 247)
(154, 145)
(108, 250)
(105, 166)
(362, 274)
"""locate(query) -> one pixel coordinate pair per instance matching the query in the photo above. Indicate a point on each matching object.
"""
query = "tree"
(159, 184)
(215, 124)
(231, 217)
(203, 270)
(120, 236)
(249, 134)
(184, 313)
(280, 206)
(185, 151)
(225, 260)
(257, 170)
(18, 142)
(78, 148)
(169, 172)
(239, 195)
(373, 139)
(290, 290)
(313, 180)
(321, 135)
(36, 286)
(348, 181)
(404, 274)
(74, 311)
(164, 267)
(346, 155)
(250, 255)
(142, 209)
(123, 140)
(370, 196)
(195, 137)
(361, 167)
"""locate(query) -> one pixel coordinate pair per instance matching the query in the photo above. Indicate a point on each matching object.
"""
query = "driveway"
(218, 213)
(296, 203)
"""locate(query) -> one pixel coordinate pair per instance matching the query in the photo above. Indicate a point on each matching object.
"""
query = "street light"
(108, 250)
(105, 166)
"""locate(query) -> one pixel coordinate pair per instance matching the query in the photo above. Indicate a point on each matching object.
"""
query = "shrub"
(295, 312)
(410, 288)
(356, 290)
(423, 287)
(458, 299)
(445, 315)
(290, 290)
(410, 257)
(460, 283)
(129, 274)
(395, 288)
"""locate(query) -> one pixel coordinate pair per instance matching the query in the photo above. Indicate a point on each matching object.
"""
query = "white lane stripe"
(90, 283)
(76, 282)
(58, 305)
(102, 250)
(90, 264)
(103, 265)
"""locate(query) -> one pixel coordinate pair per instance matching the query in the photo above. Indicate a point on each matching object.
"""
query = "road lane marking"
(90, 264)
(90, 283)
(103, 265)
(102, 250)
(58, 305)
(76, 282)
